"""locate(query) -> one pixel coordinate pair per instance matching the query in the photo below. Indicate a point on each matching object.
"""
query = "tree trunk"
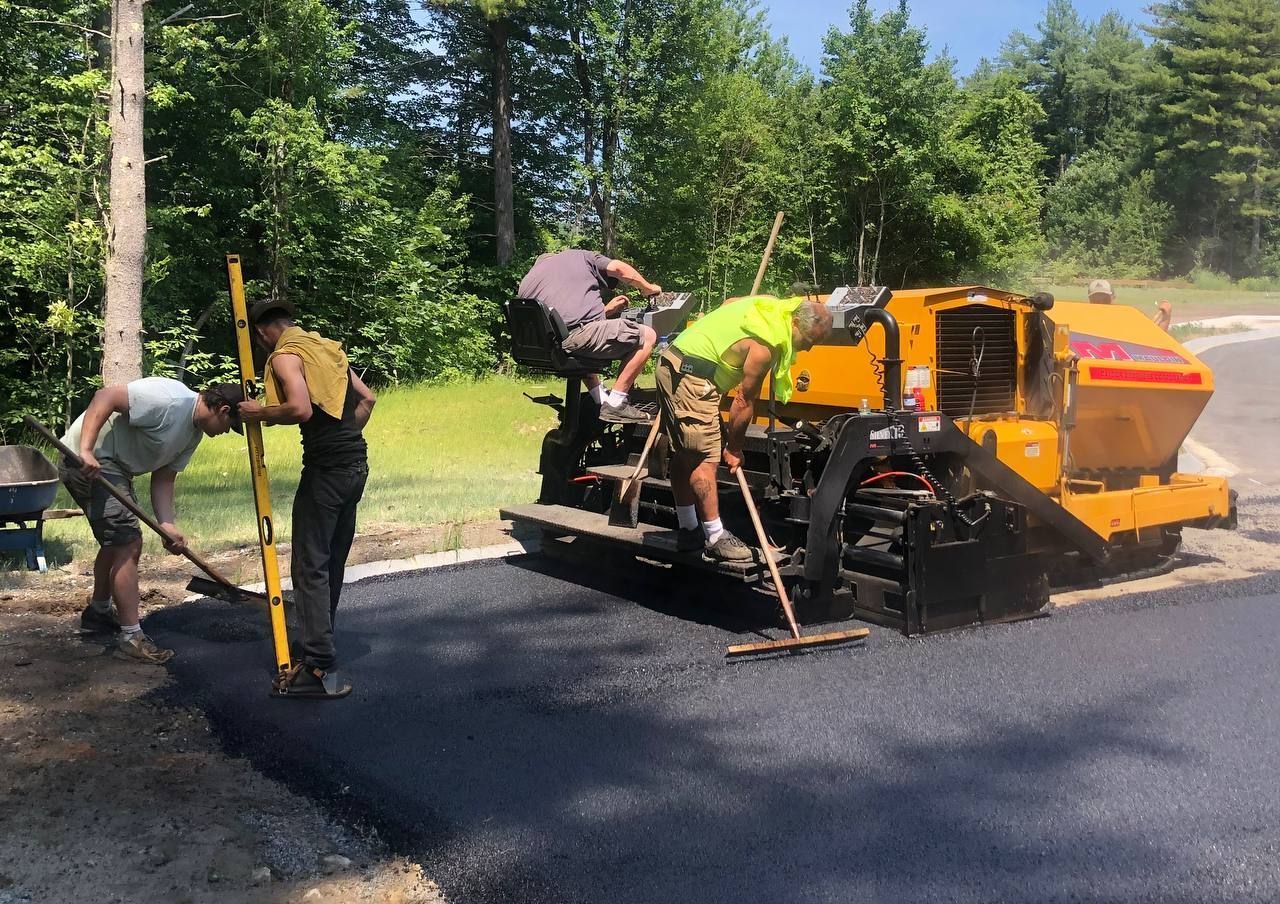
(503, 193)
(1256, 245)
(127, 235)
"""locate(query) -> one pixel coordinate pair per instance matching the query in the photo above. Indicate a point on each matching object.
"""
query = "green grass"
(437, 455)
(1188, 303)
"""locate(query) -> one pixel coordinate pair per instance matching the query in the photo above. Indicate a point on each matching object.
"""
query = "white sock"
(713, 529)
(687, 516)
(103, 606)
(597, 393)
(129, 632)
(617, 399)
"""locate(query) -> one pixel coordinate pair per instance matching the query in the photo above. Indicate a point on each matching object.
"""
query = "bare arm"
(631, 276)
(296, 408)
(162, 503)
(364, 407)
(755, 367)
(106, 401)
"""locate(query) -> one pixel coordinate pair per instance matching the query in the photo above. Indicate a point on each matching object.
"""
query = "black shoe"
(690, 539)
(306, 682)
(99, 622)
(729, 548)
(626, 414)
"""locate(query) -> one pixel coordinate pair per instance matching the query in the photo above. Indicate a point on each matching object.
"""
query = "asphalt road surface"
(1241, 420)
(536, 731)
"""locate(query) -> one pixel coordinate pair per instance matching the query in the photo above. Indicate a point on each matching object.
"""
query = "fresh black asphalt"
(536, 731)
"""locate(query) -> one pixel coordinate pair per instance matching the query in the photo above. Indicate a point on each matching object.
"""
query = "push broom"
(795, 643)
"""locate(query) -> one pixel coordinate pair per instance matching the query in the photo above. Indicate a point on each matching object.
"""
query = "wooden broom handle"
(768, 555)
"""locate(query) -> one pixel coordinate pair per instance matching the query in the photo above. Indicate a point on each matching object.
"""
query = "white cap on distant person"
(1100, 292)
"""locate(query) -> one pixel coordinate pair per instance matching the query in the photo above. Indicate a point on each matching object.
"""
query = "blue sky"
(970, 30)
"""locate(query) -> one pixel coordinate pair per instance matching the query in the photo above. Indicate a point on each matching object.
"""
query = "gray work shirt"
(573, 283)
(158, 432)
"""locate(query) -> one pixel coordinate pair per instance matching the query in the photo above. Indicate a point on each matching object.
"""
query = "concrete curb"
(429, 561)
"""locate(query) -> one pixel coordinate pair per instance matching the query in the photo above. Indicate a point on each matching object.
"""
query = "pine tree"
(1220, 72)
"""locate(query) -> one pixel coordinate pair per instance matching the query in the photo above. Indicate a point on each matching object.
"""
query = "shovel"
(219, 587)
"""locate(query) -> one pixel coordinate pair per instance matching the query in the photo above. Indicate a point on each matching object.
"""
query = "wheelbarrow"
(28, 485)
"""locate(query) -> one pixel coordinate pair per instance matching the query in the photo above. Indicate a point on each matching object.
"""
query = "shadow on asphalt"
(534, 736)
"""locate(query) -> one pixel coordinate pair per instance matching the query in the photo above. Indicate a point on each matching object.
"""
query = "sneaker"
(729, 549)
(690, 539)
(142, 648)
(96, 622)
(626, 414)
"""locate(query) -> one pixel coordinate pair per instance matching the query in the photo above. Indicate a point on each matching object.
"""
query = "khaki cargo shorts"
(690, 409)
(112, 524)
(608, 339)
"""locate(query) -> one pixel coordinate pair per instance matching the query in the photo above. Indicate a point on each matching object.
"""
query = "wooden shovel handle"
(768, 555)
(123, 498)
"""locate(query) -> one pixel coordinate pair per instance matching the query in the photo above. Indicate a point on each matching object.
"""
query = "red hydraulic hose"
(880, 477)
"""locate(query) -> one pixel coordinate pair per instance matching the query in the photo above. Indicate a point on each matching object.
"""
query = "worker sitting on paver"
(149, 426)
(735, 345)
(575, 284)
(308, 382)
(1100, 292)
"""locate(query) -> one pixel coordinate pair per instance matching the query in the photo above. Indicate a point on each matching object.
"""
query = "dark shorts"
(112, 524)
(608, 339)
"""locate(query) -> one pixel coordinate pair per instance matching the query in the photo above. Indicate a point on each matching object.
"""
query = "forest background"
(393, 167)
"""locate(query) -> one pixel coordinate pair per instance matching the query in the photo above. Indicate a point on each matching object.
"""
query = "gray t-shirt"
(574, 283)
(158, 432)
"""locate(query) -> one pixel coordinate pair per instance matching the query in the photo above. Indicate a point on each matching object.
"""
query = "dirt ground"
(109, 794)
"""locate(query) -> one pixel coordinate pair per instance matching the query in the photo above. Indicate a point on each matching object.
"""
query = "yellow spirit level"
(258, 466)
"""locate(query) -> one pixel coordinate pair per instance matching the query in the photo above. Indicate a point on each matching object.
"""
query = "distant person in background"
(1100, 292)
(1164, 315)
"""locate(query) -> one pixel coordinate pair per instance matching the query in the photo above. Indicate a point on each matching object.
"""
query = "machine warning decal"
(893, 431)
(1138, 375)
(930, 424)
(1096, 348)
(1033, 450)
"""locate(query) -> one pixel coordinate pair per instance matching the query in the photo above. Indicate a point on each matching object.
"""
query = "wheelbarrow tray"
(28, 482)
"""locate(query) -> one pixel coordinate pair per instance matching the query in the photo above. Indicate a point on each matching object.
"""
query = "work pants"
(324, 526)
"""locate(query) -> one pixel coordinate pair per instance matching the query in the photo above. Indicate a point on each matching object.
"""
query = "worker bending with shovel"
(737, 345)
(309, 382)
(149, 426)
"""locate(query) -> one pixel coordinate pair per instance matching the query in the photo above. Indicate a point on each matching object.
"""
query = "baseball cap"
(1100, 287)
(262, 307)
(233, 395)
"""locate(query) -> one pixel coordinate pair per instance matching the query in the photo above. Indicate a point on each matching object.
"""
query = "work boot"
(690, 539)
(141, 648)
(729, 548)
(95, 622)
(625, 414)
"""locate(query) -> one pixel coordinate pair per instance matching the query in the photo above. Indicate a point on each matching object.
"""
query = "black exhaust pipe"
(892, 351)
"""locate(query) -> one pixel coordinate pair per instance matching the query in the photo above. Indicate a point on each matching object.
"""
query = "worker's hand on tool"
(251, 410)
(89, 465)
(651, 290)
(733, 460)
(617, 306)
(175, 542)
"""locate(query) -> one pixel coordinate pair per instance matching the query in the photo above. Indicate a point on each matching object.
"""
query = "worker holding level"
(308, 382)
(734, 346)
(579, 286)
(149, 426)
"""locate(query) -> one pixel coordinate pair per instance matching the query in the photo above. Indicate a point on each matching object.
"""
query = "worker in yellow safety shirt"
(734, 346)
(309, 382)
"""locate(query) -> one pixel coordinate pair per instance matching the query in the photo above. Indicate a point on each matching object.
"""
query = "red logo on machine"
(1096, 348)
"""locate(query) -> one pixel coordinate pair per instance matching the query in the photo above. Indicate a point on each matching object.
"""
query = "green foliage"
(1106, 219)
